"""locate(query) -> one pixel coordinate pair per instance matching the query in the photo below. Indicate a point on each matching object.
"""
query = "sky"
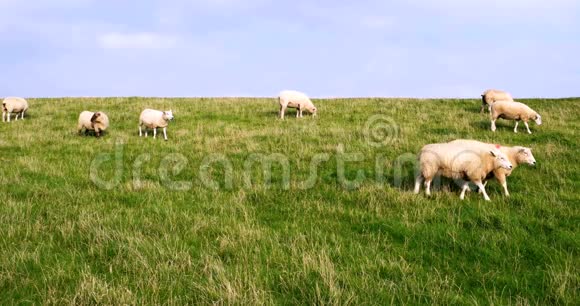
(325, 48)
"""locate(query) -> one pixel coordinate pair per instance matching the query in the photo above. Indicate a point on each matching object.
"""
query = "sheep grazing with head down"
(153, 119)
(295, 99)
(14, 105)
(491, 96)
(457, 162)
(517, 155)
(89, 121)
(514, 111)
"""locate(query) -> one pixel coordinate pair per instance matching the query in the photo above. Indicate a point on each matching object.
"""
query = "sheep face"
(95, 117)
(500, 160)
(168, 115)
(538, 119)
(312, 110)
(525, 155)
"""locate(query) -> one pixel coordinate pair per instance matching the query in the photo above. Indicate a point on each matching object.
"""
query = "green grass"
(65, 239)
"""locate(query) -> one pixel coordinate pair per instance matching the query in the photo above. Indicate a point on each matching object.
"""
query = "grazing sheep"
(491, 96)
(456, 162)
(514, 111)
(14, 105)
(90, 121)
(516, 155)
(295, 99)
(154, 119)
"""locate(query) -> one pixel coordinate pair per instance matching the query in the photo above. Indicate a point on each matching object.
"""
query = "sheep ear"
(492, 153)
(94, 117)
(522, 150)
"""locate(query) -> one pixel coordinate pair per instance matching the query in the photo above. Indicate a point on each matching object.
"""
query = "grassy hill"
(240, 207)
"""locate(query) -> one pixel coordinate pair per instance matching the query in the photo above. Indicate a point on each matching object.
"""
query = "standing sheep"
(295, 99)
(456, 162)
(14, 105)
(154, 119)
(514, 111)
(516, 155)
(90, 121)
(491, 96)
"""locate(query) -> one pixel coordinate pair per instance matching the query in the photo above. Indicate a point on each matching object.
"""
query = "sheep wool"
(295, 99)
(491, 96)
(153, 119)
(514, 111)
(457, 162)
(14, 105)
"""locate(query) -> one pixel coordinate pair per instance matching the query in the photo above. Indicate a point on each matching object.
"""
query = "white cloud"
(141, 40)
(377, 22)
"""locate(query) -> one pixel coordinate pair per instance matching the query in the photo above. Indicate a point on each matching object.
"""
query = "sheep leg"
(464, 189)
(3, 116)
(516, 127)
(154, 133)
(502, 179)
(8, 114)
(16, 117)
(298, 112)
(527, 127)
(165, 133)
(428, 186)
(505, 189)
(482, 188)
(140, 133)
(282, 111)
(484, 185)
(22, 116)
(493, 125)
(418, 181)
(146, 132)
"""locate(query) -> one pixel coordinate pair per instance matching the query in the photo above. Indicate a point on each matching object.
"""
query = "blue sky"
(413, 48)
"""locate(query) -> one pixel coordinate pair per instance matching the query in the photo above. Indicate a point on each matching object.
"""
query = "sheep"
(295, 99)
(491, 96)
(89, 121)
(154, 119)
(514, 111)
(13, 105)
(517, 155)
(456, 162)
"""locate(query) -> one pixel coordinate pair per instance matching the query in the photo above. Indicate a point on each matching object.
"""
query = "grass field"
(129, 220)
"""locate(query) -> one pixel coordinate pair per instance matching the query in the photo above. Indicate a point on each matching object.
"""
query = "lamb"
(514, 111)
(295, 99)
(14, 105)
(456, 162)
(516, 155)
(89, 121)
(154, 119)
(491, 96)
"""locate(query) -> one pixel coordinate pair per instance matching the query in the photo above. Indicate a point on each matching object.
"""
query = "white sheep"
(89, 121)
(154, 119)
(457, 162)
(491, 96)
(514, 111)
(517, 155)
(14, 105)
(295, 99)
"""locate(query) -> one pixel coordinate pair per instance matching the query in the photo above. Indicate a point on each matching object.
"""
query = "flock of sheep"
(462, 160)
